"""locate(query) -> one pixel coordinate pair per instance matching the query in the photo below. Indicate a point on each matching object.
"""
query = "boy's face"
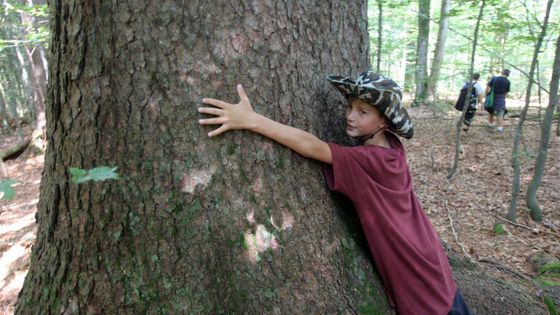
(362, 119)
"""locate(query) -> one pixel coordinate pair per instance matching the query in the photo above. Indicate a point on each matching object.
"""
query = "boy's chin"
(352, 133)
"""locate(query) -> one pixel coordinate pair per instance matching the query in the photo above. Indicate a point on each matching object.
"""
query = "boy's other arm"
(242, 116)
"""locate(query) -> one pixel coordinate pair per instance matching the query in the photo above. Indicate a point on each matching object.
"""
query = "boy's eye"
(363, 112)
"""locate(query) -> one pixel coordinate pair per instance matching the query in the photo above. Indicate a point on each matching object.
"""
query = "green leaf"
(499, 229)
(8, 192)
(97, 174)
(77, 174)
(101, 173)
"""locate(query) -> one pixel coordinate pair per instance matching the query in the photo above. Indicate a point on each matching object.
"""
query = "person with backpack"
(495, 104)
(475, 100)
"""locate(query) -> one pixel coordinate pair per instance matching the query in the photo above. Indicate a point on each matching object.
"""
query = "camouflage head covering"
(380, 92)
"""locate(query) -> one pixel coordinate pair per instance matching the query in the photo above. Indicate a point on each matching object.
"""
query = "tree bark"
(232, 225)
(511, 214)
(422, 52)
(440, 49)
(379, 34)
(545, 138)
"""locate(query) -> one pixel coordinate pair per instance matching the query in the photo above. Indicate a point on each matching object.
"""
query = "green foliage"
(550, 268)
(549, 275)
(499, 229)
(97, 174)
(8, 192)
(550, 305)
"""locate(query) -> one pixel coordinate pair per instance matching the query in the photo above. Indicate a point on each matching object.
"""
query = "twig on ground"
(455, 233)
(524, 226)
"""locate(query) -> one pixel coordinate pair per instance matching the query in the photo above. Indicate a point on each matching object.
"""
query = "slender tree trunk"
(39, 83)
(410, 66)
(455, 167)
(38, 77)
(532, 203)
(511, 215)
(379, 34)
(422, 52)
(440, 49)
(558, 121)
(3, 111)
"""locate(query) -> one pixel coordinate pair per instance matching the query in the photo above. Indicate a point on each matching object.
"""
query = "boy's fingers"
(212, 121)
(211, 111)
(215, 102)
(218, 131)
(241, 93)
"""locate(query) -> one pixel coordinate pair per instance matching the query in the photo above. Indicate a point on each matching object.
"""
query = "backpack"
(463, 94)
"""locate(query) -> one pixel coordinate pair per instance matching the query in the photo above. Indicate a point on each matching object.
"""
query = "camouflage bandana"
(380, 92)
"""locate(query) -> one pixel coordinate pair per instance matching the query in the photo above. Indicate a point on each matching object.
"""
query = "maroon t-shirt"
(404, 244)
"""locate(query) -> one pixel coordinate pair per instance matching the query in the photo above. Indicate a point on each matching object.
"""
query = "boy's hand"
(230, 116)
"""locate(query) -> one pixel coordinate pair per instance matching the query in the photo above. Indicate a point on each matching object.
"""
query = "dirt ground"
(463, 209)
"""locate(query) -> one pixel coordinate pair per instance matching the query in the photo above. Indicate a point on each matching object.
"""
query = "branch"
(455, 233)
(524, 226)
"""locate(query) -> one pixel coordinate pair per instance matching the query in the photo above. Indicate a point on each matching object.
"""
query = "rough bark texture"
(545, 136)
(515, 186)
(379, 34)
(235, 225)
(440, 49)
(230, 225)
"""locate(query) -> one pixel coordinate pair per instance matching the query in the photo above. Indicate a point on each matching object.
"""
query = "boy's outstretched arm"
(242, 116)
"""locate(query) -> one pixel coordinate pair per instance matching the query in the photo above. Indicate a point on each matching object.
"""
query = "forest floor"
(463, 209)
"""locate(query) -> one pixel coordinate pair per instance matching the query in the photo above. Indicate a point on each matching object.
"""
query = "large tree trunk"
(440, 49)
(230, 226)
(224, 226)
(515, 186)
(545, 137)
(422, 52)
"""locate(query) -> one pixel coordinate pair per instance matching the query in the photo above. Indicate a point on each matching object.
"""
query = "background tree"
(379, 34)
(459, 124)
(439, 49)
(34, 22)
(511, 215)
(545, 139)
(421, 73)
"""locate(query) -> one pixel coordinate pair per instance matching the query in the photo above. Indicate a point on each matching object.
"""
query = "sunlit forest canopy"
(507, 36)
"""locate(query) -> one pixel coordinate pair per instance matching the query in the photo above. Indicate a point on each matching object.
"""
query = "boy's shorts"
(459, 305)
(500, 113)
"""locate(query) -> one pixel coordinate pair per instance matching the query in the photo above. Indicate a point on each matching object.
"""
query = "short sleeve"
(491, 82)
(345, 174)
(478, 89)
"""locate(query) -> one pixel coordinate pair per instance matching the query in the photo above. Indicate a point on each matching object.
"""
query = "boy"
(500, 87)
(375, 176)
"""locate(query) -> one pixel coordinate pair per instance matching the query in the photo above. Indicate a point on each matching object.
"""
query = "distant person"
(475, 100)
(496, 92)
